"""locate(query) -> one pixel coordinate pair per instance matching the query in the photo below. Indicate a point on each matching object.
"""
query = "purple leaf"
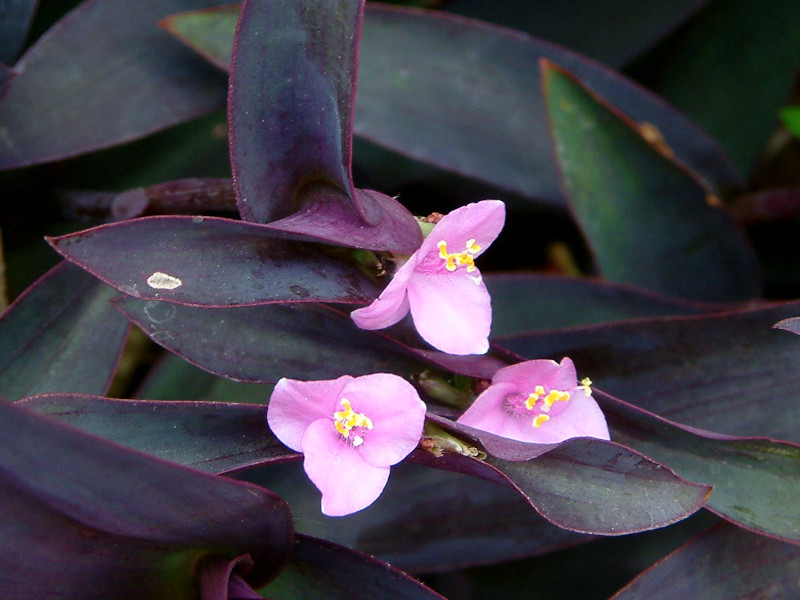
(211, 436)
(61, 335)
(752, 477)
(265, 343)
(140, 82)
(524, 302)
(427, 520)
(209, 261)
(317, 567)
(6, 76)
(724, 562)
(88, 518)
(15, 20)
(616, 179)
(583, 484)
(221, 579)
(415, 67)
(729, 372)
(290, 114)
(451, 512)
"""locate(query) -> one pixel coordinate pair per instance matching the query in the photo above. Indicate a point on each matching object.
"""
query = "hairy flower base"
(351, 430)
(538, 401)
(442, 289)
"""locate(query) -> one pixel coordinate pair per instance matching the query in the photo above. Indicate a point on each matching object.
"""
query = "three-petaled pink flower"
(351, 431)
(538, 401)
(441, 285)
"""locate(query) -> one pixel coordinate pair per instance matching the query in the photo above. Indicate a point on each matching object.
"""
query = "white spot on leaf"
(163, 281)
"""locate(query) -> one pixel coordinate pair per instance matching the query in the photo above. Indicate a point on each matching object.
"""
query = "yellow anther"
(553, 397)
(540, 420)
(585, 384)
(533, 398)
(345, 420)
(459, 259)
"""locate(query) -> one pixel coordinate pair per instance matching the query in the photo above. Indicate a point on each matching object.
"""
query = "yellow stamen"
(585, 383)
(539, 420)
(459, 259)
(345, 420)
(534, 397)
(553, 397)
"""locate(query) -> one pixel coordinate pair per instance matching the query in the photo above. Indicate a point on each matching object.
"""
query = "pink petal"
(294, 405)
(391, 306)
(397, 414)
(488, 411)
(582, 418)
(481, 221)
(348, 483)
(548, 373)
(451, 311)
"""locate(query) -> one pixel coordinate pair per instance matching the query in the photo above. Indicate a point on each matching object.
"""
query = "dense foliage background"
(647, 154)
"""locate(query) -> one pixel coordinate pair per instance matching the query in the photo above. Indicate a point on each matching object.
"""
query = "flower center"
(540, 404)
(350, 424)
(454, 260)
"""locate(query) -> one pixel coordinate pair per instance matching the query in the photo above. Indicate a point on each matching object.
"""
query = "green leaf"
(790, 117)
(649, 220)
(61, 335)
(731, 73)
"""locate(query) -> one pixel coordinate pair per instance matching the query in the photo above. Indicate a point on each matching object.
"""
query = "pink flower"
(441, 285)
(351, 431)
(538, 401)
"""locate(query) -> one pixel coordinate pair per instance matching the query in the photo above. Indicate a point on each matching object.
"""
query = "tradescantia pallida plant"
(371, 383)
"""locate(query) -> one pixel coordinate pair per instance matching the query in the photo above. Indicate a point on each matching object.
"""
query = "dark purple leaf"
(60, 335)
(15, 20)
(647, 218)
(426, 520)
(730, 372)
(220, 579)
(528, 302)
(6, 76)
(104, 75)
(327, 219)
(724, 562)
(290, 105)
(87, 518)
(320, 569)
(450, 512)
(209, 261)
(211, 436)
(752, 477)
(265, 343)
(426, 80)
(583, 484)
(290, 109)
(612, 31)
(774, 204)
